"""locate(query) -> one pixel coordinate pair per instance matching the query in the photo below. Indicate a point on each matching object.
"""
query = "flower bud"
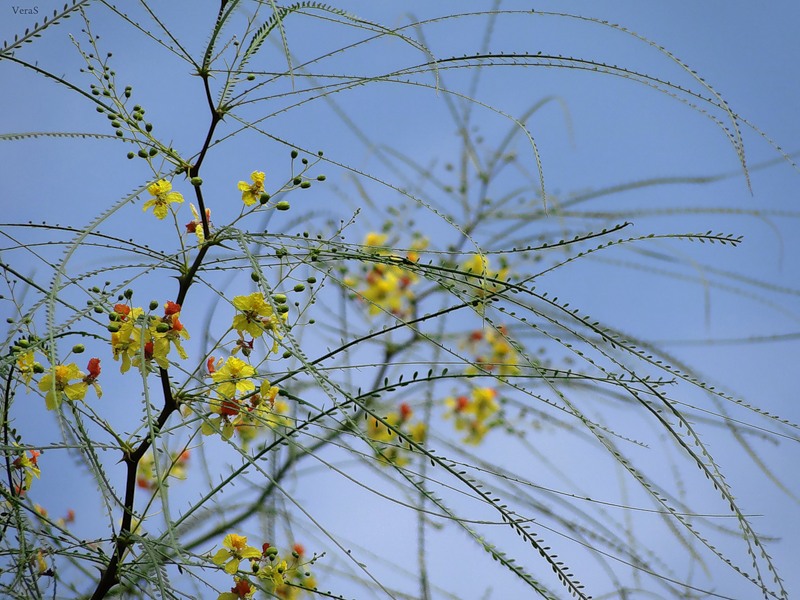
(38, 368)
(305, 185)
(113, 327)
(196, 181)
(294, 153)
(153, 152)
(283, 205)
(162, 328)
(254, 277)
(153, 304)
(142, 153)
(251, 77)
(312, 279)
(78, 348)
(299, 287)
(131, 155)
(282, 308)
(264, 198)
(148, 127)
(297, 181)
(279, 298)
(128, 293)
(321, 178)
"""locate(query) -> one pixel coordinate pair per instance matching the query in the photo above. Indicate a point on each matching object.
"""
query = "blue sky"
(598, 132)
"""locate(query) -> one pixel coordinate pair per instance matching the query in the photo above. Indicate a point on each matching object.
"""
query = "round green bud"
(98, 309)
(131, 155)
(299, 287)
(279, 298)
(148, 127)
(95, 92)
(264, 198)
(127, 93)
(295, 553)
(79, 348)
(279, 252)
(312, 321)
(100, 109)
(113, 317)
(294, 153)
(272, 551)
(128, 293)
(283, 205)
(255, 277)
(38, 368)
(106, 93)
(305, 185)
(312, 279)
(137, 108)
(152, 152)
(251, 77)
(287, 354)
(297, 181)
(282, 308)
(23, 343)
(162, 328)
(153, 304)
(119, 133)
(9, 320)
(321, 178)
(143, 153)
(196, 181)
(113, 327)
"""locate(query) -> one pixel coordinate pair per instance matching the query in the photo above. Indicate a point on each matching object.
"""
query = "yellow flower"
(251, 192)
(255, 310)
(26, 365)
(233, 376)
(162, 198)
(57, 384)
(235, 549)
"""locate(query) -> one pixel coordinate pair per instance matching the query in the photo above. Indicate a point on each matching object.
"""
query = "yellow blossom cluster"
(238, 407)
(68, 381)
(256, 316)
(136, 335)
(147, 476)
(482, 276)
(283, 576)
(387, 287)
(389, 445)
(476, 414)
(493, 351)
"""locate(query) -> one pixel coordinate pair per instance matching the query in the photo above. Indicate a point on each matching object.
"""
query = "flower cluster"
(238, 407)
(256, 316)
(479, 273)
(147, 475)
(136, 335)
(476, 414)
(493, 351)
(251, 192)
(386, 286)
(282, 576)
(386, 435)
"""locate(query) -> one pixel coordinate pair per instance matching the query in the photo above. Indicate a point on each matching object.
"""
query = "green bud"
(287, 354)
(251, 77)
(113, 327)
(113, 317)
(254, 276)
(115, 124)
(283, 205)
(294, 153)
(264, 198)
(131, 155)
(79, 348)
(23, 343)
(119, 133)
(142, 153)
(148, 127)
(128, 293)
(98, 309)
(305, 185)
(95, 92)
(321, 177)
(153, 304)
(299, 287)
(272, 551)
(279, 298)
(38, 368)
(282, 308)
(153, 152)
(196, 181)
(312, 279)
(106, 93)
(295, 553)
(100, 109)
(279, 253)
(297, 181)
(162, 327)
